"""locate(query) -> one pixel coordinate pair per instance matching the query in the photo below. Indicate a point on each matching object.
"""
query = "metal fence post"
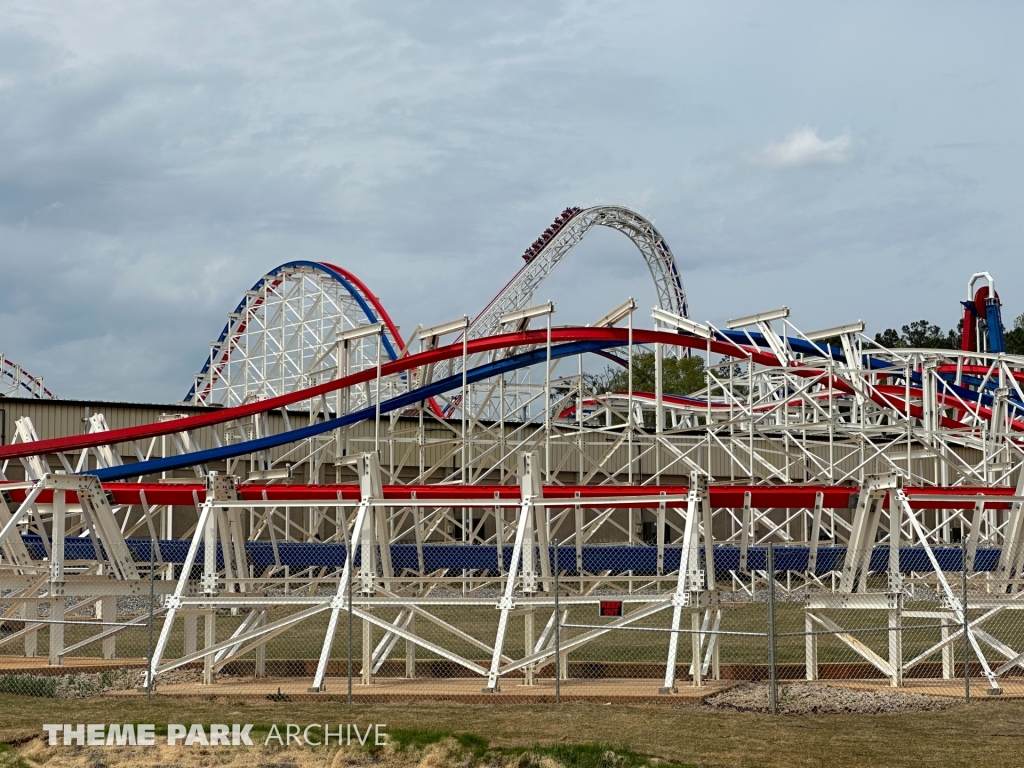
(558, 638)
(967, 642)
(152, 566)
(350, 561)
(773, 693)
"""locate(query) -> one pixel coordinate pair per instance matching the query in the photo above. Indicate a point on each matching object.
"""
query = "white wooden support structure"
(530, 489)
(865, 527)
(363, 530)
(1011, 555)
(815, 535)
(174, 601)
(746, 531)
(690, 581)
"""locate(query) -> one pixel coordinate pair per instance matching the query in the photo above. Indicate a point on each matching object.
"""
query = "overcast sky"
(851, 161)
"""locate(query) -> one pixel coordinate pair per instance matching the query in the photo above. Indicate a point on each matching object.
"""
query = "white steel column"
(689, 581)
(369, 480)
(530, 489)
(56, 586)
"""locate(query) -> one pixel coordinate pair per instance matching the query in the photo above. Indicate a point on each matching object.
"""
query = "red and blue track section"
(636, 559)
(566, 342)
(367, 301)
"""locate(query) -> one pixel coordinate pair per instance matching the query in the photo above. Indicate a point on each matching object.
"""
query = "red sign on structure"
(611, 608)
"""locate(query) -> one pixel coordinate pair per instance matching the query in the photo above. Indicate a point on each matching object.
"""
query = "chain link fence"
(438, 622)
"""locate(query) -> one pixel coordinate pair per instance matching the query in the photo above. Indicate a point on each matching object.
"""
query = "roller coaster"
(15, 381)
(464, 471)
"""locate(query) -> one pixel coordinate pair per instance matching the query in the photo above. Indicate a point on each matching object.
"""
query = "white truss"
(293, 330)
(15, 381)
(668, 284)
(780, 410)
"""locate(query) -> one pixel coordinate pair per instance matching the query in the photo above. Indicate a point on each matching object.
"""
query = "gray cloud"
(154, 162)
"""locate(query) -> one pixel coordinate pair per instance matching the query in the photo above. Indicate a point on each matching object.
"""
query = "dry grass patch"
(409, 750)
(985, 733)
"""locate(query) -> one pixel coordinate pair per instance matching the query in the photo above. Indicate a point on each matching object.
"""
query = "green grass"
(403, 738)
(584, 756)
(11, 758)
(29, 685)
(569, 755)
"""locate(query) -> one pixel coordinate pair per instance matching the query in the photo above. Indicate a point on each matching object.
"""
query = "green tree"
(680, 376)
(1015, 337)
(921, 335)
(889, 338)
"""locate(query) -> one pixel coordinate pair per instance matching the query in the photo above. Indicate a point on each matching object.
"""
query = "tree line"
(922, 334)
(684, 375)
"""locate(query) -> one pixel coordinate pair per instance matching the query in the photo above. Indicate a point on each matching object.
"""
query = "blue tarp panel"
(641, 559)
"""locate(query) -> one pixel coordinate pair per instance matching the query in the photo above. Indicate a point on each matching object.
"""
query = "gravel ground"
(84, 684)
(76, 685)
(811, 699)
